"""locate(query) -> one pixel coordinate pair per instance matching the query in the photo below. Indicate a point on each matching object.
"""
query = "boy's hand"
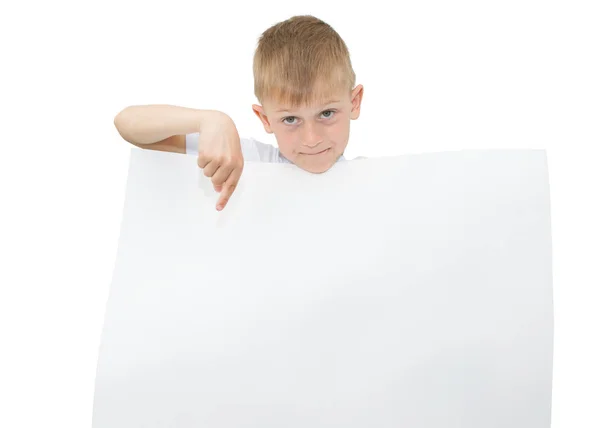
(220, 155)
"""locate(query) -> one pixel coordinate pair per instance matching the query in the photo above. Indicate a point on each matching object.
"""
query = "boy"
(304, 79)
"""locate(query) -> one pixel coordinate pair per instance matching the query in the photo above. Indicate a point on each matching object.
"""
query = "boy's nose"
(311, 138)
(312, 143)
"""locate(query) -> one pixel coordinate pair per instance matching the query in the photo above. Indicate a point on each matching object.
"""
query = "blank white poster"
(411, 291)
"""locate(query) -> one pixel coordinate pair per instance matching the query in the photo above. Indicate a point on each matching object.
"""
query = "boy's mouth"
(318, 153)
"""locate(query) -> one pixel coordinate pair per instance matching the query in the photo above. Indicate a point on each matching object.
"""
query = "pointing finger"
(228, 188)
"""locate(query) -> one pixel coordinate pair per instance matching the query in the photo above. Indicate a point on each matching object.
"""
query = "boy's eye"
(285, 119)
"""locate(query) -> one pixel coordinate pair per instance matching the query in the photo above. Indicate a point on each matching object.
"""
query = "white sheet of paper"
(411, 291)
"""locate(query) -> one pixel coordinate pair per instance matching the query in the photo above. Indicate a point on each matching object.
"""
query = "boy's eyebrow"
(327, 103)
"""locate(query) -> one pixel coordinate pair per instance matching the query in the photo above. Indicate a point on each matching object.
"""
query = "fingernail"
(219, 207)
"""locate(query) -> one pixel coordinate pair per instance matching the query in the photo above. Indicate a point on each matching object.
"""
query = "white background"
(437, 76)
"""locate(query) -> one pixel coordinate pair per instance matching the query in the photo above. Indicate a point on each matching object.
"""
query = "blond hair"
(300, 61)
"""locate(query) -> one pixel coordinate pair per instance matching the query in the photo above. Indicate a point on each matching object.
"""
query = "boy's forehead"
(279, 106)
(317, 102)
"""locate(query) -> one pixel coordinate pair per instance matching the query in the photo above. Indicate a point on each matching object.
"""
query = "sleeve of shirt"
(191, 143)
(265, 152)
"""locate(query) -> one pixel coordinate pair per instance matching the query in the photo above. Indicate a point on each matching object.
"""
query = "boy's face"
(314, 136)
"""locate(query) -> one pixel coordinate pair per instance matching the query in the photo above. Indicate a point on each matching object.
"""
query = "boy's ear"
(357, 94)
(260, 113)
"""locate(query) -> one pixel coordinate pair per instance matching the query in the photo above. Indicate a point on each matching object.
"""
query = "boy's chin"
(314, 170)
(317, 167)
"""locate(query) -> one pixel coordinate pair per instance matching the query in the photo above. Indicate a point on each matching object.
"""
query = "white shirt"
(252, 150)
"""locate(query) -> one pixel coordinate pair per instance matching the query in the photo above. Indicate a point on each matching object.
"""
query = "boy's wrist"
(211, 117)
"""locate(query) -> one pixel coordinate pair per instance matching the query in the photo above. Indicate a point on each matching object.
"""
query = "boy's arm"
(160, 126)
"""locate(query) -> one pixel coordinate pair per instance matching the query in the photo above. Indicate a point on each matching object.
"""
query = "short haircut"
(301, 61)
